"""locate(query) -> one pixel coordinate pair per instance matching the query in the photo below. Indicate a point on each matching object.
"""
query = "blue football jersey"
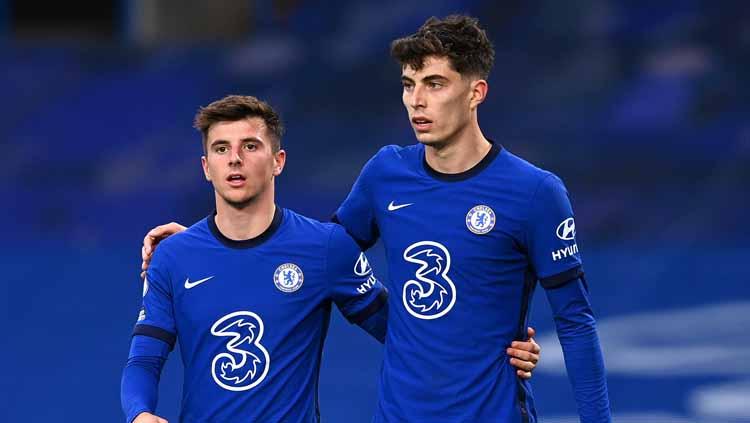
(251, 316)
(465, 252)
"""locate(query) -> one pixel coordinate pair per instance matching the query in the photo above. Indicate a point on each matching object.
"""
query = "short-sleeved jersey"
(251, 316)
(464, 254)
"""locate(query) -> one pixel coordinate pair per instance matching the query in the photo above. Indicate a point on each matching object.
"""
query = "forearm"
(377, 324)
(576, 330)
(139, 387)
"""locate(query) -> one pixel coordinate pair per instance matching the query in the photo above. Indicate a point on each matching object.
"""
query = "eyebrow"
(223, 142)
(428, 78)
(434, 78)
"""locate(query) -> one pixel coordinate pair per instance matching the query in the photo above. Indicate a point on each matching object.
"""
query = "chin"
(238, 201)
(424, 137)
(428, 139)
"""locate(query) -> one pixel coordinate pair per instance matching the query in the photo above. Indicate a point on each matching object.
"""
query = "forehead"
(432, 65)
(253, 127)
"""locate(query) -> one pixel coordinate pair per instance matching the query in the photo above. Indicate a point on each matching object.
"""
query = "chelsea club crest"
(288, 277)
(480, 219)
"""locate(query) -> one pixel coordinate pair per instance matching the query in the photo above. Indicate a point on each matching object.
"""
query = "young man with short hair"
(469, 229)
(247, 291)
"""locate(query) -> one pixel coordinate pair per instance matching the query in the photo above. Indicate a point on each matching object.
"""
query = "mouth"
(421, 124)
(236, 180)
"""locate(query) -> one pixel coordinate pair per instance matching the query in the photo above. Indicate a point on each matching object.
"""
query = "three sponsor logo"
(432, 293)
(245, 361)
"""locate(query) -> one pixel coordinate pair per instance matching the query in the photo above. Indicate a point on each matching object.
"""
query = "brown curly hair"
(457, 37)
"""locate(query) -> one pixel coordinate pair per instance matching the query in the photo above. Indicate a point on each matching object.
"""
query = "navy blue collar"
(461, 176)
(278, 216)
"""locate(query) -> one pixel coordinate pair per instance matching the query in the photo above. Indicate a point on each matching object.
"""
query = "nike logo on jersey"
(393, 207)
(189, 284)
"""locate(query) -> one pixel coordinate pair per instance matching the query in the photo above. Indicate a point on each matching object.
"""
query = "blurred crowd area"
(642, 108)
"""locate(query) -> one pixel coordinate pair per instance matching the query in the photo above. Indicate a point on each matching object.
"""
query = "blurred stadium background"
(641, 107)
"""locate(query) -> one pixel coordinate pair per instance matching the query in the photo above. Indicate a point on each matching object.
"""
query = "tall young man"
(469, 229)
(247, 291)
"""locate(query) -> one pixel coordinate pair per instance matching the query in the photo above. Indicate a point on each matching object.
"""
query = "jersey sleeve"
(156, 318)
(551, 232)
(352, 285)
(356, 213)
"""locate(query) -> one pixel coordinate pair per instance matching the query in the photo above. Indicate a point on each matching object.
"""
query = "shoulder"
(327, 237)
(304, 227)
(187, 239)
(524, 169)
(392, 156)
(329, 232)
(530, 177)
(396, 153)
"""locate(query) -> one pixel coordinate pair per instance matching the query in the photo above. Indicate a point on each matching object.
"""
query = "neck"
(246, 221)
(462, 152)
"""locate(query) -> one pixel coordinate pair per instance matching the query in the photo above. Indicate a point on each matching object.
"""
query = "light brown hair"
(237, 107)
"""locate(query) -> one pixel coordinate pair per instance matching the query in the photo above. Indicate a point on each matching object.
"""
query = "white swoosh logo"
(392, 207)
(189, 284)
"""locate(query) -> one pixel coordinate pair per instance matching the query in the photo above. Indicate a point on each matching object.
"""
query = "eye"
(220, 149)
(251, 146)
(408, 86)
(435, 85)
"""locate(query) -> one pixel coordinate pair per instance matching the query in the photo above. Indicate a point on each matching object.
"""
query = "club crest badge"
(288, 277)
(480, 219)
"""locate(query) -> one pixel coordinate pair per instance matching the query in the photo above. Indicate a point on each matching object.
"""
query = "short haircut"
(237, 107)
(457, 37)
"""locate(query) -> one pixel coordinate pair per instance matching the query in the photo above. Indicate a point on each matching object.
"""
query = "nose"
(417, 99)
(236, 158)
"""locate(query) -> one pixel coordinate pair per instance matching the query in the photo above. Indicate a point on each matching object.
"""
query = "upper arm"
(550, 234)
(352, 285)
(357, 213)
(156, 318)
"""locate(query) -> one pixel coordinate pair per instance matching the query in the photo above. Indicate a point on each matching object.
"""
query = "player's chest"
(276, 287)
(478, 218)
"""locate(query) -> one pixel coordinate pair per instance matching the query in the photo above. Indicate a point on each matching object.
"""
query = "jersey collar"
(461, 176)
(278, 216)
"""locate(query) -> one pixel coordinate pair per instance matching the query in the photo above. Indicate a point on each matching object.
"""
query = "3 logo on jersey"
(245, 362)
(432, 293)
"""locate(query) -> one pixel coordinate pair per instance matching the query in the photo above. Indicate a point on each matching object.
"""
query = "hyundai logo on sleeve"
(566, 230)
